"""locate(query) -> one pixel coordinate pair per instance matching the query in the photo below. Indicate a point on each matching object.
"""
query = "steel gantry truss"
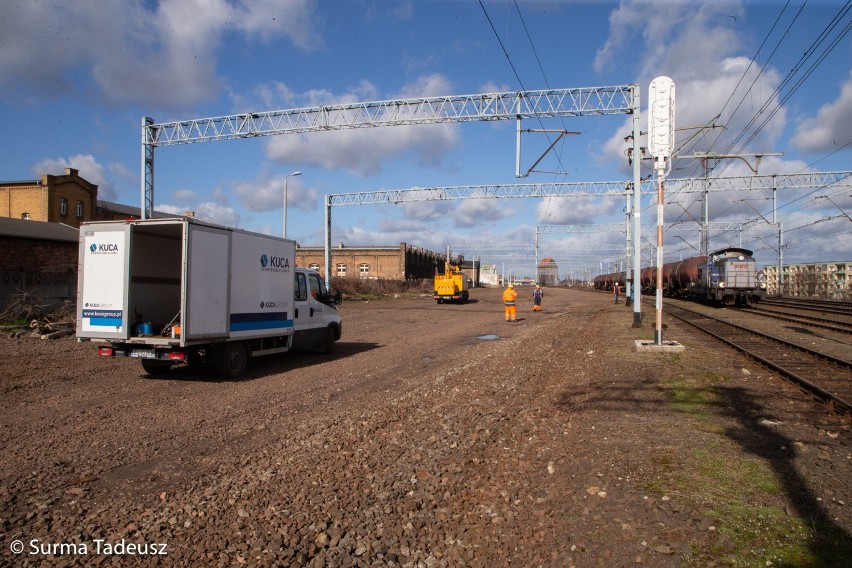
(517, 105)
(550, 103)
(588, 188)
(622, 188)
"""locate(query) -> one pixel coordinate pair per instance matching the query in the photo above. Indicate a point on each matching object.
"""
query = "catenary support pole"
(147, 197)
(658, 304)
(637, 209)
(328, 242)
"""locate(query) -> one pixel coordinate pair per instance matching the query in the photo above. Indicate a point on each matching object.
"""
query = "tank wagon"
(728, 277)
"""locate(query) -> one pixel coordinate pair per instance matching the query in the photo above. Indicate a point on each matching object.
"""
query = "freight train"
(727, 277)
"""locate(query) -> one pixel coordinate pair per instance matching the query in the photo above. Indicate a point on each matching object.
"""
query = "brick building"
(67, 199)
(403, 262)
(38, 258)
(39, 222)
(548, 272)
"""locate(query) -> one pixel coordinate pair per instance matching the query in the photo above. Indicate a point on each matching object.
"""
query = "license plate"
(143, 353)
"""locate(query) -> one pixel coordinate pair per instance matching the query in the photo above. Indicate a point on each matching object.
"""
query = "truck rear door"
(102, 290)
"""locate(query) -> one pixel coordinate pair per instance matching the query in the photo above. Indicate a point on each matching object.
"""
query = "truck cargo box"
(150, 278)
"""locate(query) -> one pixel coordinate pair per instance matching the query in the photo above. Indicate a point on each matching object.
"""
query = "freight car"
(726, 277)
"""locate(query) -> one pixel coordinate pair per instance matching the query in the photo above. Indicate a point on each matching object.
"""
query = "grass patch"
(764, 535)
(723, 487)
(688, 398)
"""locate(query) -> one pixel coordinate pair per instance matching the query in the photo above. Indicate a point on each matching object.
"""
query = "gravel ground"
(420, 442)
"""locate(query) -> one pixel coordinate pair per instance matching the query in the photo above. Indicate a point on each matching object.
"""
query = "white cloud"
(478, 212)
(363, 151)
(699, 46)
(165, 55)
(576, 211)
(267, 193)
(830, 128)
(207, 211)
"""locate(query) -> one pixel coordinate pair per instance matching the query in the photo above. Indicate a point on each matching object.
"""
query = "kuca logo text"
(274, 262)
(109, 247)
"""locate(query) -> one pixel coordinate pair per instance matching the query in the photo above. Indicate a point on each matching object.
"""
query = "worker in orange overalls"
(538, 293)
(616, 291)
(509, 297)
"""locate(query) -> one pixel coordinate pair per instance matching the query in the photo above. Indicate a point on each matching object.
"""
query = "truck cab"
(316, 323)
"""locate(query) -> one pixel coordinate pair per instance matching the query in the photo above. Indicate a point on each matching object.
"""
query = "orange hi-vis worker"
(509, 297)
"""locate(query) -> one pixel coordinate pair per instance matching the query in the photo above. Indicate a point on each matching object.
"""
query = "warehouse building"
(38, 259)
(403, 262)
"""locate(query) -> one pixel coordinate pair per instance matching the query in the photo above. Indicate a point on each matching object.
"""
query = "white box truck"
(179, 290)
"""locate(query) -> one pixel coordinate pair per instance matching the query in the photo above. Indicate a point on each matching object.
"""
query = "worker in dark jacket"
(538, 294)
(509, 297)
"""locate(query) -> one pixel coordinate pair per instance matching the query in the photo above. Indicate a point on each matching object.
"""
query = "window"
(341, 269)
(301, 287)
(25, 216)
(79, 209)
(314, 266)
(63, 206)
(364, 270)
(317, 287)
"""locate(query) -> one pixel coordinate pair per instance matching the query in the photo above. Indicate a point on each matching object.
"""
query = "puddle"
(488, 337)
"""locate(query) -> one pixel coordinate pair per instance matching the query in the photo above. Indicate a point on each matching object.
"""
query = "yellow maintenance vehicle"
(451, 285)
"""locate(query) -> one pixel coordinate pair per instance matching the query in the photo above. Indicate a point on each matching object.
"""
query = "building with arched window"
(403, 262)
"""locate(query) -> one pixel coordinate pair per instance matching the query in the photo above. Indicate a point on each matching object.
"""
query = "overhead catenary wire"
(521, 82)
(821, 47)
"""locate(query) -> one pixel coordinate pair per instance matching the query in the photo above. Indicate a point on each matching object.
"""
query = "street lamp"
(284, 224)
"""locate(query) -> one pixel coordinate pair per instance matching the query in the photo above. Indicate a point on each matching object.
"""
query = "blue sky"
(76, 78)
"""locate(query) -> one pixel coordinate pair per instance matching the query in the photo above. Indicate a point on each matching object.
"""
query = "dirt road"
(435, 435)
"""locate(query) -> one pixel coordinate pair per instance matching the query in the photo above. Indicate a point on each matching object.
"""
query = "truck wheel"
(327, 345)
(231, 360)
(155, 367)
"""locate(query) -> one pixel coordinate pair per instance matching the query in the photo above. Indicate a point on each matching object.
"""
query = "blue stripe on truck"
(260, 320)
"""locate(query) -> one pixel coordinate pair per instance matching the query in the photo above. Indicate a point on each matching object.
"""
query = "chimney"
(341, 244)
(189, 213)
(72, 172)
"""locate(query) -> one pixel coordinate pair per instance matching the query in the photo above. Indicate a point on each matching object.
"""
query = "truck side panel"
(262, 276)
(102, 282)
(206, 287)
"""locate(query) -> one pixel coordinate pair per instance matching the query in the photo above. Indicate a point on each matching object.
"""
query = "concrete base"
(643, 346)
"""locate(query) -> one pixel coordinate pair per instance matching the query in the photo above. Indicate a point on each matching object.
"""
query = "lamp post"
(284, 224)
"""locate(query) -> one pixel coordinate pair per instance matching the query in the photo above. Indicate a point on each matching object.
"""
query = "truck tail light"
(105, 351)
(177, 355)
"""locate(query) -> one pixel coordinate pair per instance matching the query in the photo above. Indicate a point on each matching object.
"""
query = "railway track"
(826, 306)
(812, 321)
(828, 378)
